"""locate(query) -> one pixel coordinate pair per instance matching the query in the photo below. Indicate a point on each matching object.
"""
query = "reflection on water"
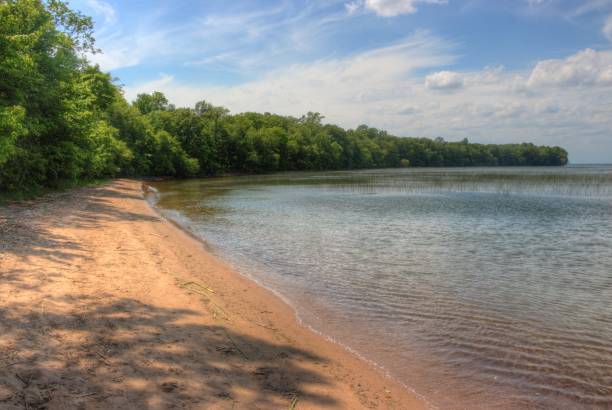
(485, 287)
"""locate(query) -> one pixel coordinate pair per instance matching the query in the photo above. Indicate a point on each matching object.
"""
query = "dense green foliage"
(63, 120)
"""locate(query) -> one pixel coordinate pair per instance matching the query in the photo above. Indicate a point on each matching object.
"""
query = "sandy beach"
(104, 304)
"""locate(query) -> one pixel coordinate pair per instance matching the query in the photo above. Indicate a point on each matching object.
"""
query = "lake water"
(475, 287)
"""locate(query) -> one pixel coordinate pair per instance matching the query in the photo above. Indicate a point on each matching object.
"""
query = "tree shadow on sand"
(25, 227)
(127, 354)
(77, 351)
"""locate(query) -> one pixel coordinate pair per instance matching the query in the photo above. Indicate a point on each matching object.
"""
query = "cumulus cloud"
(384, 88)
(408, 110)
(444, 80)
(585, 68)
(362, 78)
(490, 75)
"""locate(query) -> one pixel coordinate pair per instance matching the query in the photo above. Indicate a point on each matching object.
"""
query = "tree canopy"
(64, 120)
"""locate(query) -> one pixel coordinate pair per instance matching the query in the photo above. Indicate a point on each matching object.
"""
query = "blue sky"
(491, 71)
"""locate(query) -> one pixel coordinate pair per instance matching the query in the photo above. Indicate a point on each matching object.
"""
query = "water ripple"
(479, 288)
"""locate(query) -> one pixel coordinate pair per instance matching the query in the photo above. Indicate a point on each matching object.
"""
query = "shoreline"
(283, 299)
(110, 304)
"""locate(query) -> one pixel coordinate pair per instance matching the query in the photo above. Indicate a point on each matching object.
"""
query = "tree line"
(63, 120)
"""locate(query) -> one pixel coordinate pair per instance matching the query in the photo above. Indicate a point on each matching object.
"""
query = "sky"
(492, 71)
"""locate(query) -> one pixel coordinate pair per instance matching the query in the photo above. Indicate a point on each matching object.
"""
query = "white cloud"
(364, 77)
(590, 6)
(409, 110)
(490, 75)
(389, 8)
(246, 41)
(104, 9)
(383, 88)
(352, 7)
(535, 3)
(585, 68)
(607, 28)
(121, 50)
(444, 80)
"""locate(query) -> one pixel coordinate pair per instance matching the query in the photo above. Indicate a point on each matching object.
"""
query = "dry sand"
(104, 304)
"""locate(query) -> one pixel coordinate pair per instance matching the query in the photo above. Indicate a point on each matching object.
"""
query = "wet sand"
(104, 304)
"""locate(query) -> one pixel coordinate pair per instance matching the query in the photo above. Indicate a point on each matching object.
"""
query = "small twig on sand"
(78, 396)
(103, 358)
(219, 308)
(293, 403)
(266, 327)
(201, 290)
(161, 236)
(25, 382)
(195, 287)
(236, 345)
(11, 364)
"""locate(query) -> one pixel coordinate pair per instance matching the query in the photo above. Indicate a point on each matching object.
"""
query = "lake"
(474, 287)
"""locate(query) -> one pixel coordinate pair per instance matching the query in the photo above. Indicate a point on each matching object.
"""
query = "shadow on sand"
(101, 351)
(130, 355)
